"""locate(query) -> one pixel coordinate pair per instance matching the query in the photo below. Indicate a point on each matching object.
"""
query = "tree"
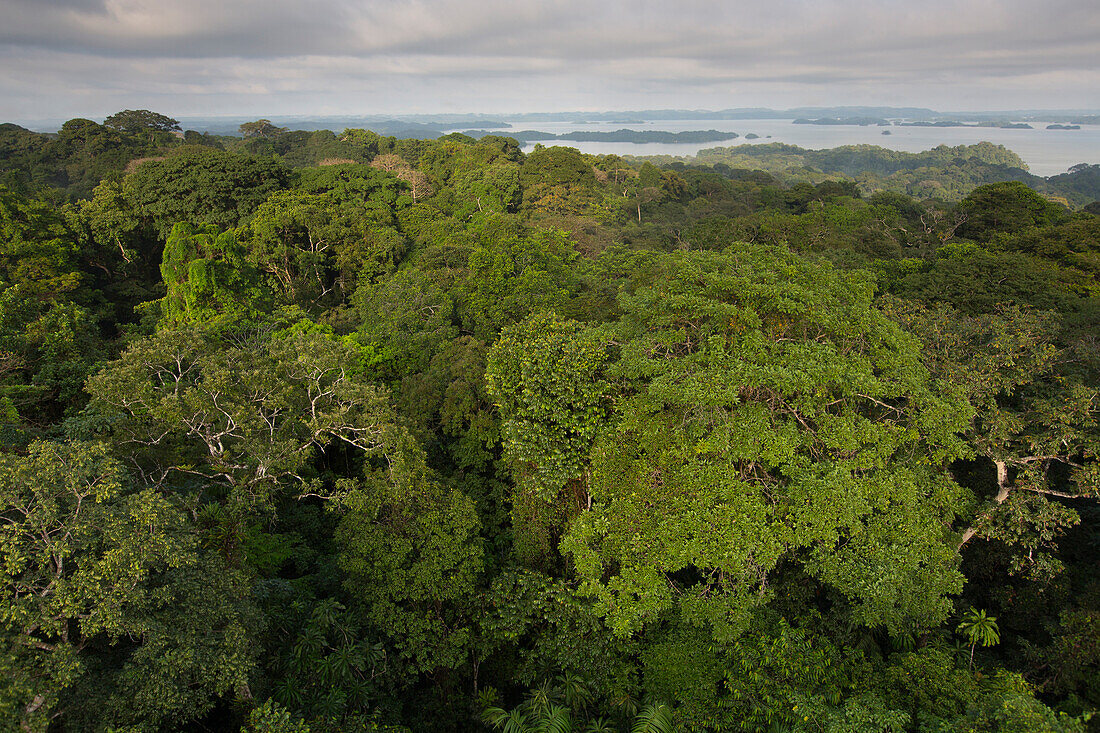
(80, 550)
(119, 250)
(21, 154)
(514, 271)
(1008, 207)
(557, 180)
(324, 664)
(245, 414)
(48, 334)
(203, 185)
(771, 677)
(410, 548)
(546, 377)
(243, 409)
(37, 251)
(137, 121)
(561, 708)
(766, 413)
(207, 277)
(271, 718)
(1036, 427)
(261, 129)
(1070, 662)
(291, 238)
(84, 153)
(978, 628)
(365, 144)
(339, 229)
(407, 319)
(419, 185)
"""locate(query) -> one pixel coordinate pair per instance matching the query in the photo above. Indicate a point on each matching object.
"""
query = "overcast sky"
(90, 58)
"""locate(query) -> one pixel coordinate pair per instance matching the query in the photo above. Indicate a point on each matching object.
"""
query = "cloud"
(108, 51)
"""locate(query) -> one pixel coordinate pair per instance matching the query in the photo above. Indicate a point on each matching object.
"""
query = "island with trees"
(945, 173)
(860, 121)
(1002, 124)
(617, 136)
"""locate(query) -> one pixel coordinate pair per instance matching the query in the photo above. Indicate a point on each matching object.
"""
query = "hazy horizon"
(226, 122)
(201, 58)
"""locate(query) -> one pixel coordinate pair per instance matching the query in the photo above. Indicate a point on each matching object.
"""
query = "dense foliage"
(317, 432)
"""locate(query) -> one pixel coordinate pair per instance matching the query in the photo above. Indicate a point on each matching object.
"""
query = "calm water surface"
(1047, 152)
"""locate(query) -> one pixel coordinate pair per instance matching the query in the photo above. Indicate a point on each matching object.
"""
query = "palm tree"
(540, 713)
(574, 692)
(979, 628)
(601, 725)
(654, 718)
(513, 721)
(550, 719)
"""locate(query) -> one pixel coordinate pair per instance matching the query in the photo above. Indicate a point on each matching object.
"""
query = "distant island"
(959, 169)
(613, 122)
(861, 121)
(866, 121)
(618, 136)
(957, 123)
(1063, 127)
(882, 122)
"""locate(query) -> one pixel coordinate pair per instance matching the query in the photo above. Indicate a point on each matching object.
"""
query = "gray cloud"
(406, 54)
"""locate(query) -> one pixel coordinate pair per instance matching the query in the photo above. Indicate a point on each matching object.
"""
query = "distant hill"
(944, 172)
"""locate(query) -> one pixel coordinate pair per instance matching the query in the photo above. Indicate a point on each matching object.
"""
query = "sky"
(90, 58)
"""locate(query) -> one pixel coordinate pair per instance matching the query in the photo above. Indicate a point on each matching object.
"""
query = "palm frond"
(654, 718)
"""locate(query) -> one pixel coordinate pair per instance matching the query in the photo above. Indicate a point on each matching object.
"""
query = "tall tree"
(137, 121)
(765, 413)
(260, 128)
(245, 409)
(202, 185)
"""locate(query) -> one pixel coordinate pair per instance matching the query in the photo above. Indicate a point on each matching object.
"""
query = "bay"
(1046, 152)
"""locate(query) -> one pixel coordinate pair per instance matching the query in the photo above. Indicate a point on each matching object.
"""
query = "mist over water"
(1047, 152)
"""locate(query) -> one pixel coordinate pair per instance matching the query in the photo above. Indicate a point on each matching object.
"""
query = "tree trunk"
(1003, 490)
(31, 709)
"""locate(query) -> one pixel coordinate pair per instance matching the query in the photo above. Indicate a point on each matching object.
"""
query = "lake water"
(1047, 152)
